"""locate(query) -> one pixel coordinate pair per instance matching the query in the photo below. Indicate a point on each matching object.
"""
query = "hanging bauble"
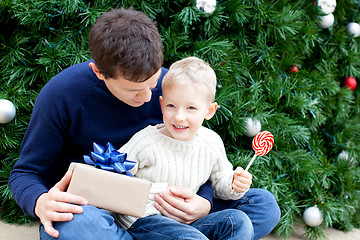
(344, 155)
(326, 21)
(7, 111)
(206, 6)
(350, 82)
(327, 6)
(313, 216)
(253, 127)
(353, 29)
(294, 69)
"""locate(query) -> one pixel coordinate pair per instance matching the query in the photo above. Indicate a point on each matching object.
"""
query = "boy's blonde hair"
(192, 71)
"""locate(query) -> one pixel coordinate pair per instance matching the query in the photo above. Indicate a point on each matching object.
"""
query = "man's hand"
(182, 205)
(242, 180)
(57, 205)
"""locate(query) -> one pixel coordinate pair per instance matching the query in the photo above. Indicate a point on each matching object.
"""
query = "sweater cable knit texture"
(165, 161)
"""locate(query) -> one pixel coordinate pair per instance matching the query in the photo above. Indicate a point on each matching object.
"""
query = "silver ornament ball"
(253, 127)
(327, 6)
(207, 6)
(7, 111)
(312, 216)
(353, 29)
(344, 155)
(326, 21)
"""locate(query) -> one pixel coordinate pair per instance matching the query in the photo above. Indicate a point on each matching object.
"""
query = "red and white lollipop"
(262, 144)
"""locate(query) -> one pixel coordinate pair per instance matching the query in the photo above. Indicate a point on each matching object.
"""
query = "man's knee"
(93, 223)
(238, 224)
(270, 204)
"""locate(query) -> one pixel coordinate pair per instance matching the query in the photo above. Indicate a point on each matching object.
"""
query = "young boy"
(181, 152)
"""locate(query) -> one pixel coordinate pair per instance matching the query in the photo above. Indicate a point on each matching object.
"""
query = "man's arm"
(206, 191)
(33, 174)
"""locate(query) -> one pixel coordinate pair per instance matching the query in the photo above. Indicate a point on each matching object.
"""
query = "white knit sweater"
(165, 161)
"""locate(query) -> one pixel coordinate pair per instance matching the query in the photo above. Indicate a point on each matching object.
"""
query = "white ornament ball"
(344, 155)
(326, 21)
(207, 6)
(327, 6)
(313, 216)
(253, 127)
(353, 29)
(7, 111)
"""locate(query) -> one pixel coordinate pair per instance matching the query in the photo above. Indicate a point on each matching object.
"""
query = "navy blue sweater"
(73, 110)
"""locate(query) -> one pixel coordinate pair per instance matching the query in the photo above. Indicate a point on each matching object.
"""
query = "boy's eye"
(192, 108)
(170, 105)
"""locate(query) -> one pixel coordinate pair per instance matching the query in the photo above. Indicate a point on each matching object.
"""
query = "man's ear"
(96, 71)
(211, 110)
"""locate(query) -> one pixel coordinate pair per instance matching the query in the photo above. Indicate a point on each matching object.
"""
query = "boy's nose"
(180, 116)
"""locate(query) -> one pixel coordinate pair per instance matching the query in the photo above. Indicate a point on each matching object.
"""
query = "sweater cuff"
(157, 188)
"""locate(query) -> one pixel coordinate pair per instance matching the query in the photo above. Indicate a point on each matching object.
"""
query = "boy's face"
(184, 110)
(134, 94)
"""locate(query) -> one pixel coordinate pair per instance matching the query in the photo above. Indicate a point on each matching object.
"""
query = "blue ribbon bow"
(108, 158)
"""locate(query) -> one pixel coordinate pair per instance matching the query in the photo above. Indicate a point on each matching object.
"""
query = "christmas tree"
(289, 67)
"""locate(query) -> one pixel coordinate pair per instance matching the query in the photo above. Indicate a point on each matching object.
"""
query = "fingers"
(58, 194)
(182, 205)
(50, 229)
(239, 170)
(64, 182)
(242, 180)
(168, 206)
(61, 205)
(54, 206)
(65, 197)
(58, 206)
(181, 193)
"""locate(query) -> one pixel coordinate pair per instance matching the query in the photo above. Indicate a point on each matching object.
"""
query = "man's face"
(134, 94)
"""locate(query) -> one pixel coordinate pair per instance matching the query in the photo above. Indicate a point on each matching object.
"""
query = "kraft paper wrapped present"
(108, 184)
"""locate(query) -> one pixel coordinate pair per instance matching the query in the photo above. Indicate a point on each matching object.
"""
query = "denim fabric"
(160, 228)
(93, 223)
(259, 205)
(225, 225)
(227, 220)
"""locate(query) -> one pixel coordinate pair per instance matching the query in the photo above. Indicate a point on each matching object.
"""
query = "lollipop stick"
(251, 161)
(247, 168)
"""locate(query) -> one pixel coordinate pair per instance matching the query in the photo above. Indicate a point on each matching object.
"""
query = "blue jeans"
(229, 224)
(94, 223)
(260, 206)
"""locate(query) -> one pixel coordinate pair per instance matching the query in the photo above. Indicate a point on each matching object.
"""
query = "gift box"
(114, 191)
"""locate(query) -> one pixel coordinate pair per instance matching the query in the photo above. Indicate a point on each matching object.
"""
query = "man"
(106, 99)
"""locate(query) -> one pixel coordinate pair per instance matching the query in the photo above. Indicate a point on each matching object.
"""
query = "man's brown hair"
(125, 42)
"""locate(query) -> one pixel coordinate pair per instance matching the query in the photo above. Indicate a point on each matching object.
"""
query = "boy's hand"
(58, 206)
(242, 180)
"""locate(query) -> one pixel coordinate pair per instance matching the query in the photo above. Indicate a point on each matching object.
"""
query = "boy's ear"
(161, 102)
(211, 110)
(96, 71)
